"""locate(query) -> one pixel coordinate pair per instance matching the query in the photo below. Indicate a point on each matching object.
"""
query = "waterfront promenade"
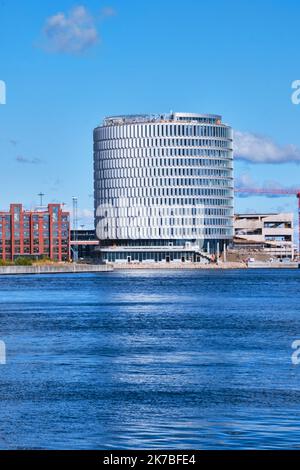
(187, 265)
(203, 266)
(95, 268)
(56, 269)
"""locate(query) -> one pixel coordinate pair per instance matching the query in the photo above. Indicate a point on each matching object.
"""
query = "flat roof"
(172, 117)
(263, 214)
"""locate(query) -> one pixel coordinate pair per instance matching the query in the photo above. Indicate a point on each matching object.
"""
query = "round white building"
(163, 187)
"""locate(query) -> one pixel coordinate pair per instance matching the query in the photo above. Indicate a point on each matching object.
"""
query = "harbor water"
(150, 359)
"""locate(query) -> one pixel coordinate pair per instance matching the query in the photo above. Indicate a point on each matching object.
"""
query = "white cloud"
(30, 161)
(245, 180)
(85, 216)
(108, 11)
(71, 33)
(246, 187)
(261, 149)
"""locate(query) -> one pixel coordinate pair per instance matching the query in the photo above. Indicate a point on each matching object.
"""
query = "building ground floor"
(165, 251)
(271, 249)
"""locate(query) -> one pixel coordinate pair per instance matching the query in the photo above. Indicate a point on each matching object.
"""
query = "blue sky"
(66, 65)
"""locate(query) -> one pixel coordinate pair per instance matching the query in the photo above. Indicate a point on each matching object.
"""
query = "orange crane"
(275, 192)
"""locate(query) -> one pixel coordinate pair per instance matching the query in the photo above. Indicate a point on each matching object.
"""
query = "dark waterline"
(170, 359)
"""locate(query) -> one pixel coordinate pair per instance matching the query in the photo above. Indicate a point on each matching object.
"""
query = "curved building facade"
(163, 186)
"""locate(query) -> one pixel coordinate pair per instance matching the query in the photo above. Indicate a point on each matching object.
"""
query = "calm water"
(170, 359)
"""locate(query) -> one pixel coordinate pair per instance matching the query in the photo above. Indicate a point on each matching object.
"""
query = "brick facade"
(35, 234)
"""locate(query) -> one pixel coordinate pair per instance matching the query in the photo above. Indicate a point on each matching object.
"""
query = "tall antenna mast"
(41, 195)
(75, 227)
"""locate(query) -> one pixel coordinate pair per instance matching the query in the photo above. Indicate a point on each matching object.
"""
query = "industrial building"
(163, 187)
(42, 233)
(271, 233)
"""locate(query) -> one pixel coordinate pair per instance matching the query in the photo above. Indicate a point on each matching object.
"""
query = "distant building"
(163, 187)
(44, 232)
(86, 242)
(272, 233)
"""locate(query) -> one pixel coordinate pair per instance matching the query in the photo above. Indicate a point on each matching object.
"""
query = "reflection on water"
(150, 359)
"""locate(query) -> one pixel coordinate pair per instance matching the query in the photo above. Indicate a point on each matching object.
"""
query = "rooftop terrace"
(162, 118)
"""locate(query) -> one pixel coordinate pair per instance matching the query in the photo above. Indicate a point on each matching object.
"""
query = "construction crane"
(274, 192)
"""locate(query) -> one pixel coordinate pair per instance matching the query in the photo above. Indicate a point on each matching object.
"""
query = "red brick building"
(35, 234)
